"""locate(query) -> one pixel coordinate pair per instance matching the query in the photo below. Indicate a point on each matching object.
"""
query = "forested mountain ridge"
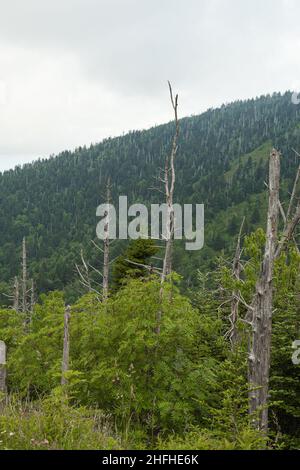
(142, 362)
(221, 162)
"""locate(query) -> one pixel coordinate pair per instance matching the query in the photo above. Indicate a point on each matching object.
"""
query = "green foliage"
(128, 265)
(230, 415)
(183, 387)
(202, 439)
(11, 327)
(34, 364)
(285, 376)
(221, 162)
(149, 382)
(147, 378)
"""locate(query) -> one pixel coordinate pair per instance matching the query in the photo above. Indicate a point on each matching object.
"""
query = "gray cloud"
(75, 71)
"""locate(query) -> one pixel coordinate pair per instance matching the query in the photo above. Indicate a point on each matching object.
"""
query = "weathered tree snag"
(84, 274)
(66, 346)
(32, 298)
(106, 248)
(2, 368)
(16, 297)
(24, 276)
(261, 309)
(84, 271)
(236, 271)
(169, 181)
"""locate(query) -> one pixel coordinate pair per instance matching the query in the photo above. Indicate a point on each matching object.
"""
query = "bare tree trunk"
(167, 263)
(169, 181)
(32, 299)
(2, 369)
(236, 271)
(106, 248)
(66, 346)
(16, 295)
(24, 277)
(261, 309)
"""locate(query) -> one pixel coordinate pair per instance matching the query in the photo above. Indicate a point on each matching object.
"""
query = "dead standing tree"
(86, 268)
(2, 369)
(16, 294)
(24, 276)
(106, 245)
(169, 185)
(66, 347)
(236, 272)
(22, 294)
(27, 289)
(32, 298)
(261, 309)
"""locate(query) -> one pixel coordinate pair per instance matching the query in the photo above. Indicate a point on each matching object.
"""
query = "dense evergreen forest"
(125, 383)
(222, 163)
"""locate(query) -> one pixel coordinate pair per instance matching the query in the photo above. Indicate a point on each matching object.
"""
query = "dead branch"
(293, 194)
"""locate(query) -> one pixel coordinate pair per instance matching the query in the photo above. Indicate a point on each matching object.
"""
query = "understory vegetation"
(130, 345)
(129, 387)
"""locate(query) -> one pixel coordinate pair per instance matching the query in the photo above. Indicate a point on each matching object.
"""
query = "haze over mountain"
(78, 71)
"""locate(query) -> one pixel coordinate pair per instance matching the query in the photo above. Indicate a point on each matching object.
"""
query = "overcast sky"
(75, 71)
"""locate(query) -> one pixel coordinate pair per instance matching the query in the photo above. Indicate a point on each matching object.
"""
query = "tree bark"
(16, 294)
(24, 276)
(66, 346)
(261, 309)
(106, 248)
(32, 298)
(169, 181)
(2, 368)
(236, 271)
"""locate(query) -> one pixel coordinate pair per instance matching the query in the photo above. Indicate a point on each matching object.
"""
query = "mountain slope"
(221, 162)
